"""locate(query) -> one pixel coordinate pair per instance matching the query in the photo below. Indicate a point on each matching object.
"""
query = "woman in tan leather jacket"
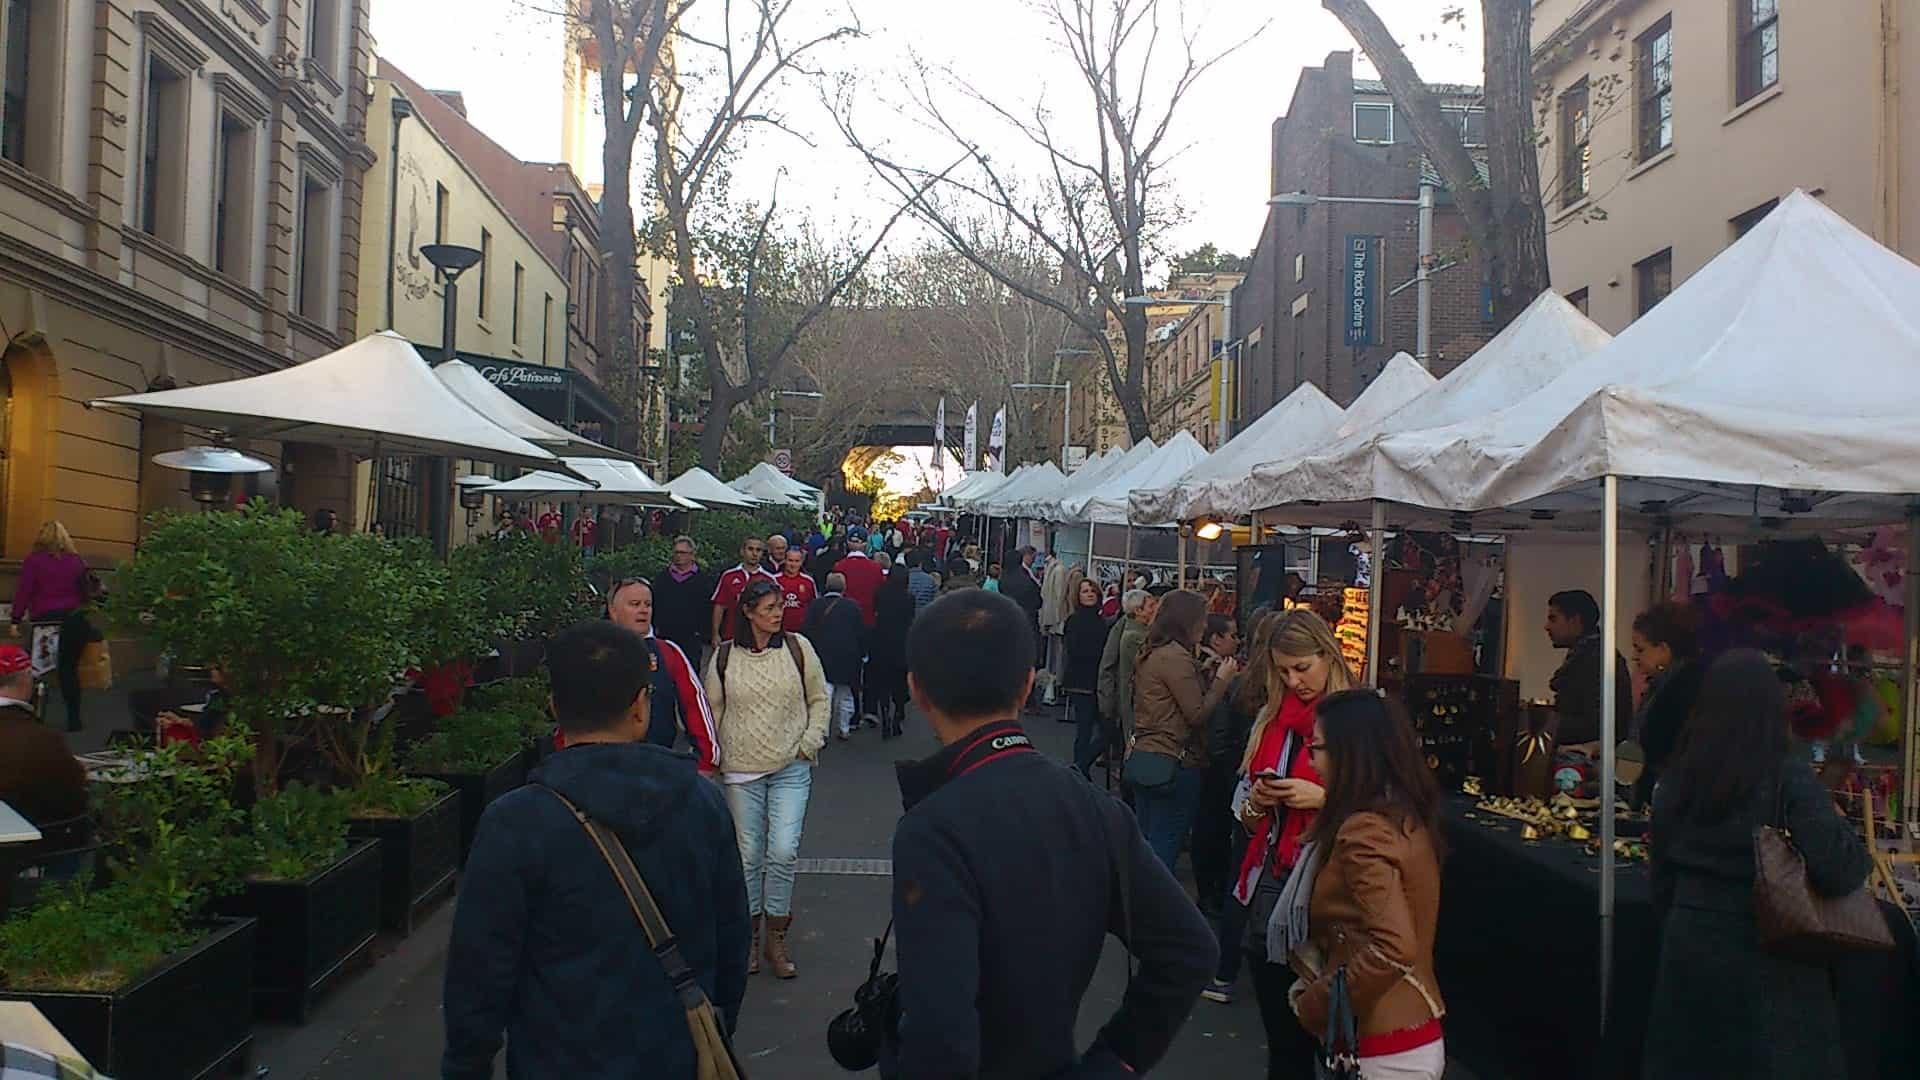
(1375, 890)
(1172, 699)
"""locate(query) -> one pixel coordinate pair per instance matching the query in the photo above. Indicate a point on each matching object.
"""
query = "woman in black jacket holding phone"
(1085, 637)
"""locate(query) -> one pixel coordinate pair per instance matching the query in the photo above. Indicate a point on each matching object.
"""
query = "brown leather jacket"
(1171, 703)
(1376, 903)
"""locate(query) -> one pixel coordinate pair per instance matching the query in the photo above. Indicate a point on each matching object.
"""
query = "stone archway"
(31, 389)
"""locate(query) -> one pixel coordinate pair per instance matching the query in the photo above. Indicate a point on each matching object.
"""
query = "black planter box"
(476, 790)
(190, 1017)
(311, 931)
(418, 858)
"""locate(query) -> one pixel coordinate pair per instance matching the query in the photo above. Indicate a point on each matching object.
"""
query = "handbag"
(1793, 918)
(714, 1056)
(1339, 1054)
(1147, 770)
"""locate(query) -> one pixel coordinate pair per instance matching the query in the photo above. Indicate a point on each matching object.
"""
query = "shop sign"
(1363, 285)
(521, 376)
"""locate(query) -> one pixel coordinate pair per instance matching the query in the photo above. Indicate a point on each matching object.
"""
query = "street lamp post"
(1066, 423)
(773, 414)
(451, 260)
(1423, 276)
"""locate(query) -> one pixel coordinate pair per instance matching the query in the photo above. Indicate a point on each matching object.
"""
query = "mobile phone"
(1270, 774)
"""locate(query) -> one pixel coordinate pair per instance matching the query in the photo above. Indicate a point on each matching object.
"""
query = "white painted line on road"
(850, 867)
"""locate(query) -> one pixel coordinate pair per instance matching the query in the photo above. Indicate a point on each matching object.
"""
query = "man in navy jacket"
(1009, 872)
(545, 946)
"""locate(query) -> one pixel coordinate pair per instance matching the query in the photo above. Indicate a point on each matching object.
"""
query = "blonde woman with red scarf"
(1277, 798)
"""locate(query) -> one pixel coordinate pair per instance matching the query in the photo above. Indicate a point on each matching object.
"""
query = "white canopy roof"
(375, 396)
(981, 484)
(768, 484)
(1071, 503)
(1046, 505)
(1218, 485)
(966, 484)
(1034, 478)
(1787, 363)
(1108, 504)
(619, 483)
(1546, 340)
(499, 406)
(706, 489)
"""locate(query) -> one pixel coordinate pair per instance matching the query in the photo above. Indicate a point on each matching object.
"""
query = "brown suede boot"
(753, 952)
(778, 960)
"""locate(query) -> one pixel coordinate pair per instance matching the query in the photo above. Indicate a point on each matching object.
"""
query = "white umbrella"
(499, 406)
(376, 396)
(613, 482)
(702, 486)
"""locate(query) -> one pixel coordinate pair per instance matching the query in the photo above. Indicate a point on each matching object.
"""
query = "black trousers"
(1215, 853)
(76, 633)
(1290, 1050)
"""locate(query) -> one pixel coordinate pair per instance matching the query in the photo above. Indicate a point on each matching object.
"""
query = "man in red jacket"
(726, 596)
(797, 588)
(863, 574)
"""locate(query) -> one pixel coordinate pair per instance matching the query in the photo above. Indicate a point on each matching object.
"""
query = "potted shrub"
(481, 754)
(135, 974)
(531, 589)
(417, 822)
(314, 893)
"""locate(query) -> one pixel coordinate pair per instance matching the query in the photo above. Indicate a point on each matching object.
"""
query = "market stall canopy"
(614, 483)
(1219, 485)
(770, 485)
(375, 396)
(1108, 504)
(1334, 482)
(1046, 505)
(1035, 478)
(964, 486)
(1071, 506)
(982, 484)
(1776, 384)
(499, 406)
(705, 488)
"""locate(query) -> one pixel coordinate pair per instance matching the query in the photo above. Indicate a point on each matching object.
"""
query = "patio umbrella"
(497, 405)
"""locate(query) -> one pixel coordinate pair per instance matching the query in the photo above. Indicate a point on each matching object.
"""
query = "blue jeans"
(767, 816)
(1088, 737)
(1166, 814)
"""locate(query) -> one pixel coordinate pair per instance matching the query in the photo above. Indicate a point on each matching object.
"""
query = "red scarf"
(1295, 718)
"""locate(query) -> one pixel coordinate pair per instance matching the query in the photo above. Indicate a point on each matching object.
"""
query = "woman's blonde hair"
(1295, 632)
(54, 540)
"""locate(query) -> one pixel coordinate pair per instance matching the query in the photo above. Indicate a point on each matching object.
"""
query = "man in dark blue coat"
(1009, 872)
(545, 946)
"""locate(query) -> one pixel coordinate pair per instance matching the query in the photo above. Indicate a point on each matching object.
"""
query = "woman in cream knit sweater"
(770, 706)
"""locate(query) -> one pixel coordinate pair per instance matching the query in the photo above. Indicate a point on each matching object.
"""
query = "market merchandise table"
(1518, 952)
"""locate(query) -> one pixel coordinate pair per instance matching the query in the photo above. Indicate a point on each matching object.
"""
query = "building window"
(485, 268)
(1300, 267)
(546, 329)
(399, 496)
(519, 291)
(1759, 43)
(1576, 145)
(1372, 122)
(1654, 58)
(1744, 224)
(316, 220)
(163, 145)
(233, 198)
(14, 116)
(1652, 281)
(323, 35)
(439, 213)
(1578, 298)
(1470, 121)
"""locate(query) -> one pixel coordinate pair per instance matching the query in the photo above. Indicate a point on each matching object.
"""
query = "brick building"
(1341, 137)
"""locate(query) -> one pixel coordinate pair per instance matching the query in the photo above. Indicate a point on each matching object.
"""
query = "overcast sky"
(506, 58)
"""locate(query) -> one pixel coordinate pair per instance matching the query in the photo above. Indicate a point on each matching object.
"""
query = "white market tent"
(975, 497)
(1082, 482)
(770, 485)
(1038, 504)
(1217, 486)
(967, 485)
(1548, 339)
(1038, 478)
(373, 397)
(619, 483)
(498, 406)
(1072, 505)
(1108, 504)
(706, 489)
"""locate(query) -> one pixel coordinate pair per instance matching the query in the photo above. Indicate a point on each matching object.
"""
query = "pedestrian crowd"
(1303, 800)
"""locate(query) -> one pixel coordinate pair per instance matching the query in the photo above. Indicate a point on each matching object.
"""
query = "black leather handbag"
(1146, 770)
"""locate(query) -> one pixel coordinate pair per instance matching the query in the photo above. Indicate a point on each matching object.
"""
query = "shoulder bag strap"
(799, 661)
(659, 935)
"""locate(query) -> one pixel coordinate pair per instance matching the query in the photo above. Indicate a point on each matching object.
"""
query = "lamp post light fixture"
(210, 470)
(451, 260)
(1066, 413)
(1423, 277)
(473, 494)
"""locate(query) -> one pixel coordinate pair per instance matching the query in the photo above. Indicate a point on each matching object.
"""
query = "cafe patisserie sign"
(521, 377)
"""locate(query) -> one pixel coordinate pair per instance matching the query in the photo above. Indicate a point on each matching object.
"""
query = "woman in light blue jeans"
(770, 707)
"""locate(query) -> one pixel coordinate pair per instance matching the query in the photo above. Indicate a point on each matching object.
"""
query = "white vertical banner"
(940, 444)
(971, 449)
(997, 440)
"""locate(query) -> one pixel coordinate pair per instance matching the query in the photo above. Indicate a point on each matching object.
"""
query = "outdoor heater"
(210, 470)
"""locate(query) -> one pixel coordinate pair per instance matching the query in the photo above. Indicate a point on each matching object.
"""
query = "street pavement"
(386, 1021)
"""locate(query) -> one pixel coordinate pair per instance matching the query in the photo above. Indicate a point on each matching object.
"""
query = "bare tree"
(1098, 208)
(1504, 213)
(723, 85)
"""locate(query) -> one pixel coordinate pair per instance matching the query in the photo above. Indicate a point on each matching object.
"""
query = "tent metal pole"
(1180, 559)
(1375, 581)
(1910, 655)
(1126, 563)
(1609, 694)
